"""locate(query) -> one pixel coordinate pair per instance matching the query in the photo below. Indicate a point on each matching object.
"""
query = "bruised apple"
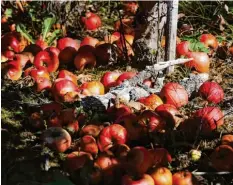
(65, 90)
(110, 136)
(67, 55)
(57, 138)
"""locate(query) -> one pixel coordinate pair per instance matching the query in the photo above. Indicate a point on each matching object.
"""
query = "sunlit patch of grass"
(8, 119)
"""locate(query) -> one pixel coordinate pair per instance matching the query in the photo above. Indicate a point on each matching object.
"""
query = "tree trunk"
(151, 20)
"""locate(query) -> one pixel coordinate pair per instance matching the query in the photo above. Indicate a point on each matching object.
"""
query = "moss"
(8, 119)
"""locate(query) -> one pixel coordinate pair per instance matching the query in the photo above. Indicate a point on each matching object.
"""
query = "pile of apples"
(110, 146)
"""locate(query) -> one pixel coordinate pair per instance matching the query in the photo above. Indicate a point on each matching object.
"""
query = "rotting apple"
(221, 158)
(68, 115)
(73, 127)
(68, 75)
(89, 41)
(47, 58)
(138, 161)
(67, 55)
(200, 62)
(91, 21)
(174, 94)
(77, 160)
(67, 42)
(85, 58)
(161, 176)
(65, 90)
(109, 79)
(145, 180)
(111, 135)
(160, 156)
(36, 120)
(103, 53)
(57, 138)
(152, 101)
(92, 88)
(211, 91)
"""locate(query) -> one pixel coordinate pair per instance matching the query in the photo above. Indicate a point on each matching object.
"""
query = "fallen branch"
(129, 90)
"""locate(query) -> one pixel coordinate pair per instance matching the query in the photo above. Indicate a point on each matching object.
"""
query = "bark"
(149, 31)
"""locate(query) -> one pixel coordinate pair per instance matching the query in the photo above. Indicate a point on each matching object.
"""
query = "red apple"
(144, 180)
(209, 41)
(92, 88)
(11, 41)
(67, 42)
(125, 42)
(36, 73)
(65, 90)
(125, 76)
(109, 79)
(118, 111)
(138, 161)
(8, 54)
(221, 158)
(92, 130)
(151, 121)
(68, 75)
(130, 122)
(104, 161)
(110, 136)
(85, 58)
(89, 41)
(43, 84)
(48, 58)
(73, 127)
(54, 50)
(162, 176)
(67, 55)
(200, 62)
(184, 178)
(161, 157)
(182, 49)
(91, 21)
(88, 144)
(40, 42)
(57, 139)
(211, 91)
(169, 113)
(68, 115)
(174, 94)
(152, 101)
(14, 70)
(77, 160)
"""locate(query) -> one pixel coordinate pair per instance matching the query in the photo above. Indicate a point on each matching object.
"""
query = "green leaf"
(22, 29)
(54, 36)
(198, 46)
(8, 12)
(47, 24)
